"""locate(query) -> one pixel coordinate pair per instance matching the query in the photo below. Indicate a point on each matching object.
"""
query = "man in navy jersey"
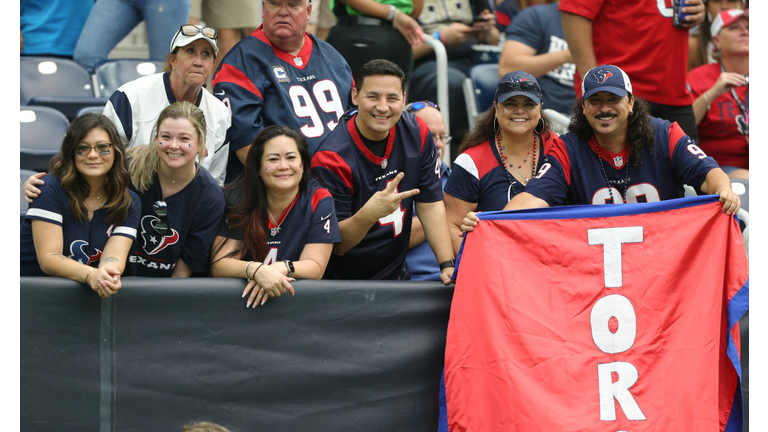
(376, 164)
(281, 74)
(616, 153)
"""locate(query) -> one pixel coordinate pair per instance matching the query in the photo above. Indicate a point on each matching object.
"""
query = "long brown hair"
(248, 210)
(74, 184)
(145, 161)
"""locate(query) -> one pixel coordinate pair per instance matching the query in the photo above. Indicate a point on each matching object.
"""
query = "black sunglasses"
(415, 106)
(526, 86)
(161, 211)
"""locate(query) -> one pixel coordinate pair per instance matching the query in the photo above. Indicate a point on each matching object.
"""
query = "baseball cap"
(608, 78)
(181, 37)
(726, 18)
(518, 83)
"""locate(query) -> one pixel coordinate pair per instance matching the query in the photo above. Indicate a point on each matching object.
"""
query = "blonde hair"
(145, 160)
(204, 427)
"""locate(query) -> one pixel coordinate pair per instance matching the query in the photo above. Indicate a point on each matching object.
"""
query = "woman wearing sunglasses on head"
(502, 153)
(136, 105)
(182, 206)
(82, 226)
(280, 224)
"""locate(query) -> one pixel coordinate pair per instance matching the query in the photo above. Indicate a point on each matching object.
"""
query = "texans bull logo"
(153, 242)
(78, 253)
(602, 76)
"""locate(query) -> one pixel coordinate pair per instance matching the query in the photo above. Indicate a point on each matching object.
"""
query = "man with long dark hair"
(376, 163)
(616, 153)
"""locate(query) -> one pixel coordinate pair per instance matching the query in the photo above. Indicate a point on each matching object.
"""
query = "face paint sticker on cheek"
(503, 111)
(189, 145)
(162, 143)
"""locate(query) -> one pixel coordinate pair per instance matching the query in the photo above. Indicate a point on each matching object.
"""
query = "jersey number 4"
(327, 98)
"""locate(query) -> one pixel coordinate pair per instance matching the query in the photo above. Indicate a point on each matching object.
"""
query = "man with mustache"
(616, 153)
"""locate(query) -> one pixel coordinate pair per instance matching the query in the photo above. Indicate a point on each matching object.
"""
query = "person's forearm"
(417, 233)
(524, 200)
(436, 231)
(701, 105)
(56, 264)
(536, 65)
(715, 182)
(353, 230)
(578, 34)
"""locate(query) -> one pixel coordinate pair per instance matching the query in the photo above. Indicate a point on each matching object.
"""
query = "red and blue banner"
(598, 318)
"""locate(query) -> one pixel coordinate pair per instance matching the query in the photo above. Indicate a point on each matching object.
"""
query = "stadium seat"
(98, 109)
(57, 83)
(23, 204)
(42, 131)
(479, 90)
(741, 187)
(111, 74)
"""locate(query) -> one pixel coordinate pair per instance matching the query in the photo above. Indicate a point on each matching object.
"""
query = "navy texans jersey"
(573, 174)
(353, 174)
(478, 176)
(310, 219)
(263, 86)
(83, 240)
(193, 218)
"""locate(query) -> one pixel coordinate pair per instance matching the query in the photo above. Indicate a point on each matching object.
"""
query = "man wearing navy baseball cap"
(616, 152)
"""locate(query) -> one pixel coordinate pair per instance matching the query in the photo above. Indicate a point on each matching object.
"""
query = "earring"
(495, 125)
(541, 122)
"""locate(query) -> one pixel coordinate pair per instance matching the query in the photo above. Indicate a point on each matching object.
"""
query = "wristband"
(445, 264)
(436, 35)
(391, 14)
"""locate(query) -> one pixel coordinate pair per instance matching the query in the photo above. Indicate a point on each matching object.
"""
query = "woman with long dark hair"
(501, 154)
(83, 226)
(279, 223)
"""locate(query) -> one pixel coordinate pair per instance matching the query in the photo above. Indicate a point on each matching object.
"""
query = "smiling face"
(92, 163)
(193, 63)
(608, 114)
(285, 20)
(380, 102)
(177, 142)
(518, 115)
(281, 166)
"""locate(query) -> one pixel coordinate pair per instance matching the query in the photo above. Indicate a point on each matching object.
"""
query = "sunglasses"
(526, 86)
(160, 209)
(83, 150)
(416, 106)
(192, 30)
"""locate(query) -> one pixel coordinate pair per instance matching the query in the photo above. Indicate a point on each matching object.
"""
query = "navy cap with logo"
(608, 78)
(518, 83)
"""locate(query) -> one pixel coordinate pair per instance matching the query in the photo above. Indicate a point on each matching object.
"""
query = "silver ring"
(262, 289)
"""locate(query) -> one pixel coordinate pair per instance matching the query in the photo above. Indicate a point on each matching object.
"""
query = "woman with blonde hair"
(182, 203)
(83, 226)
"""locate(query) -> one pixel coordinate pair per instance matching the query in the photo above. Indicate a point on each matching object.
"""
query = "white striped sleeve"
(47, 215)
(125, 231)
(466, 162)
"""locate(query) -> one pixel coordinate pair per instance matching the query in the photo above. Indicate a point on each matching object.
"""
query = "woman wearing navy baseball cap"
(501, 154)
